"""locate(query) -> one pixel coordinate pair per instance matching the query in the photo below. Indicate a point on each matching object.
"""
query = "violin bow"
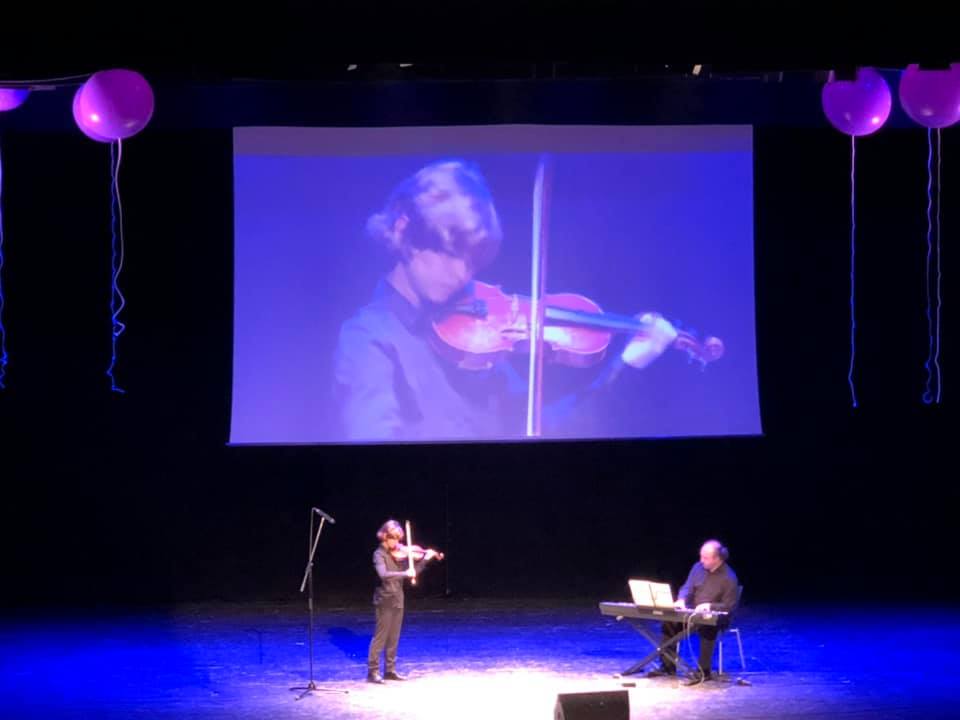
(413, 580)
(538, 283)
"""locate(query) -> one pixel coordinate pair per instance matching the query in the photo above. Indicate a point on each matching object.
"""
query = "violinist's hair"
(719, 548)
(391, 528)
(448, 207)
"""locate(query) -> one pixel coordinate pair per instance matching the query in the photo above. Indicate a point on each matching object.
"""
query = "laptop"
(648, 594)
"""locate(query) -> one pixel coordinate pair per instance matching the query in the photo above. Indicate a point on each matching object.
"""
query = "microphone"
(326, 517)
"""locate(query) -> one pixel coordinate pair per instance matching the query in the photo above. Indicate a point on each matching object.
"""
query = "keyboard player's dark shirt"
(719, 588)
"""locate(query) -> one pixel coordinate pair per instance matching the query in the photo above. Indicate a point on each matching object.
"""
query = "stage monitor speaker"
(609, 705)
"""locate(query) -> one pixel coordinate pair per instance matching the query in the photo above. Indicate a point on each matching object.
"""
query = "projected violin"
(576, 330)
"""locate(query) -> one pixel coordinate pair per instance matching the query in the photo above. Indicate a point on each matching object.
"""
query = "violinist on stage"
(393, 563)
(440, 227)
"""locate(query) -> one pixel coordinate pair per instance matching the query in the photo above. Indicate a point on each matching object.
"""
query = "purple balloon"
(857, 107)
(12, 98)
(931, 97)
(80, 124)
(113, 105)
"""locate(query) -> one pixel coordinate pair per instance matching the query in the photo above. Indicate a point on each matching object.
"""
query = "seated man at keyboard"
(711, 586)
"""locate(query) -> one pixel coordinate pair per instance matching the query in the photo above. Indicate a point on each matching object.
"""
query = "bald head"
(712, 555)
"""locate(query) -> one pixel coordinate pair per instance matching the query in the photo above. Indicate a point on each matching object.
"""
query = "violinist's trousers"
(385, 637)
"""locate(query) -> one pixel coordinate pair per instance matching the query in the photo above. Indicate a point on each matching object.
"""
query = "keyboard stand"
(641, 618)
(669, 648)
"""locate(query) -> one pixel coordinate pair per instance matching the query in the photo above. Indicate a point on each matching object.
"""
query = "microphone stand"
(312, 541)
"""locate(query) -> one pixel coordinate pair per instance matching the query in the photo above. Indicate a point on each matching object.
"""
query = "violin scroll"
(704, 352)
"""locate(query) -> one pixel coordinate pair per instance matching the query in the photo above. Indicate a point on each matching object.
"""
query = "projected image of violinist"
(429, 357)
(493, 283)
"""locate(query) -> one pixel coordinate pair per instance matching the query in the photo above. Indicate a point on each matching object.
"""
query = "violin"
(576, 332)
(412, 552)
(403, 552)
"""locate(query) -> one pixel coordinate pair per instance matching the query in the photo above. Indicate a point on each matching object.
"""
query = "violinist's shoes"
(393, 676)
(375, 677)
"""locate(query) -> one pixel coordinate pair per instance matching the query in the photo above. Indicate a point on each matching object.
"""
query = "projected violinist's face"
(391, 542)
(430, 270)
(436, 276)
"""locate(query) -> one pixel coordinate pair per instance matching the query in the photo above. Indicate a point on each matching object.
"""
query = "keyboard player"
(711, 586)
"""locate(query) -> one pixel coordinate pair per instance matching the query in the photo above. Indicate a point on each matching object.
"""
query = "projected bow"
(538, 281)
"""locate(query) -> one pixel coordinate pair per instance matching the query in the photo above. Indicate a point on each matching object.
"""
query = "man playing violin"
(391, 560)
(440, 228)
